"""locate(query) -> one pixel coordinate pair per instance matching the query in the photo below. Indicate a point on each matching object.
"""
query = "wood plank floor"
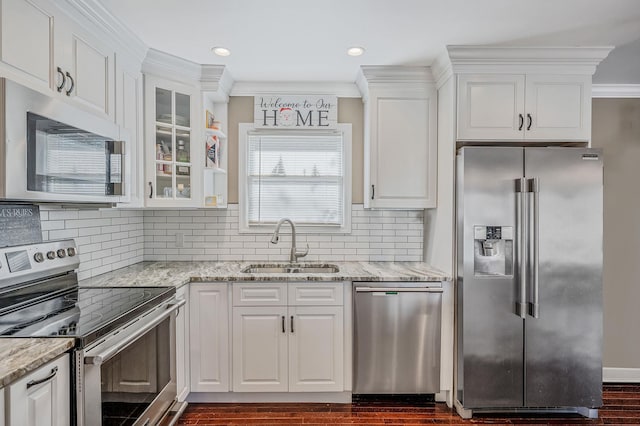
(621, 406)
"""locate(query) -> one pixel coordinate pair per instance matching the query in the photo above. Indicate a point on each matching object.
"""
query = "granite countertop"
(177, 274)
(19, 356)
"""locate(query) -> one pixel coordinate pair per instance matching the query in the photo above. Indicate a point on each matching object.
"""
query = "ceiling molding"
(615, 91)
(519, 59)
(371, 76)
(169, 66)
(91, 13)
(217, 80)
(252, 88)
(442, 69)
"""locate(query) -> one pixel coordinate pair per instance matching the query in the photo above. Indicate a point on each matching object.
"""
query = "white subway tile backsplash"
(213, 235)
(112, 239)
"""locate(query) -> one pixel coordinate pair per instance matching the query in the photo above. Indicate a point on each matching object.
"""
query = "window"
(302, 175)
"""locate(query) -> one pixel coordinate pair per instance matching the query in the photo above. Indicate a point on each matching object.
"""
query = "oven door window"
(63, 159)
(137, 377)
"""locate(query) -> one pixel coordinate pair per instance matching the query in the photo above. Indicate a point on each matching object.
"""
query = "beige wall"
(616, 129)
(350, 110)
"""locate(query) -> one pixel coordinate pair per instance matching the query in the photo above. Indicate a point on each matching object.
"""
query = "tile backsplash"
(107, 239)
(112, 238)
(201, 235)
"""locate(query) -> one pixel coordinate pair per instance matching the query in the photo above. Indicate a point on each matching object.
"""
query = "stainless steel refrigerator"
(529, 279)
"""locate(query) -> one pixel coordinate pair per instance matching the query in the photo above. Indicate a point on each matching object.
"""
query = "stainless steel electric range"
(124, 357)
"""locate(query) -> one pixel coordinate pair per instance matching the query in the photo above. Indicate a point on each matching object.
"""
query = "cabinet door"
(491, 107)
(46, 403)
(171, 123)
(260, 349)
(558, 107)
(182, 345)
(402, 149)
(209, 337)
(27, 34)
(316, 354)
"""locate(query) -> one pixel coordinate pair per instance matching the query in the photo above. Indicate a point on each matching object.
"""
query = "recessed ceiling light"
(221, 51)
(355, 51)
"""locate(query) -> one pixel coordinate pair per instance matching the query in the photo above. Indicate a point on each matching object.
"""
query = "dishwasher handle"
(399, 289)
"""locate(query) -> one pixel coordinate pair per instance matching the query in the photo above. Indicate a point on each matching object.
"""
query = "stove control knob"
(38, 257)
(51, 255)
(71, 252)
(61, 253)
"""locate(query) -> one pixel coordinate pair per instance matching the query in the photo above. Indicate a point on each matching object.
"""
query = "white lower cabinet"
(42, 397)
(286, 347)
(209, 337)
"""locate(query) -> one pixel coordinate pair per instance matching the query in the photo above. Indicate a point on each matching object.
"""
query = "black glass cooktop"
(85, 313)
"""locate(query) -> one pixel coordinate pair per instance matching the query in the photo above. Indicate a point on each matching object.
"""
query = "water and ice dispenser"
(493, 250)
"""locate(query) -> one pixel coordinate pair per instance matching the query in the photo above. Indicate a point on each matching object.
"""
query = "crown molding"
(252, 88)
(90, 14)
(615, 91)
(442, 69)
(216, 80)
(522, 59)
(371, 76)
(170, 66)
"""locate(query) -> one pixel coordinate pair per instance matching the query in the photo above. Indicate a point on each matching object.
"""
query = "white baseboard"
(620, 375)
(325, 397)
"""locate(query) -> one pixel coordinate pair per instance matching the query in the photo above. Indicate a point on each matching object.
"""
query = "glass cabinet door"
(172, 145)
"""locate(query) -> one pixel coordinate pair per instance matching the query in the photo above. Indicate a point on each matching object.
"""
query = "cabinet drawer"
(318, 294)
(259, 294)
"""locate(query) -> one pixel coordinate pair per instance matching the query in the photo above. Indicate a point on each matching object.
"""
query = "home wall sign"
(296, 111)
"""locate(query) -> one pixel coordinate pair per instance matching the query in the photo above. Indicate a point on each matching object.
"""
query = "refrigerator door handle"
(534, 190)
(521, 263)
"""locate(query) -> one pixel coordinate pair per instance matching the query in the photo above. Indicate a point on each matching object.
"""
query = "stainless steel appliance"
(51, 151)
(529, 279)
(397, 337)
(124, 357)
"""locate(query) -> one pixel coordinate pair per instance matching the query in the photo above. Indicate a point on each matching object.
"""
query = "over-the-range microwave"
(52, 151)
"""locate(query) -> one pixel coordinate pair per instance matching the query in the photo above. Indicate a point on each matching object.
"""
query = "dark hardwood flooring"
(621, 406)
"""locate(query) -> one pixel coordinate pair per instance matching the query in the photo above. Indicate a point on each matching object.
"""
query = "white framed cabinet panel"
(316, 353)
(558, 107)
(400, 143)
(490, 106)
(523, 107)
(42, 396)
(209, 337)
(260, 342)
(27, 38)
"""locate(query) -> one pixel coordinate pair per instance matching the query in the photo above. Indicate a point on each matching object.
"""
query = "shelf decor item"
(211, 121)
(213, 151)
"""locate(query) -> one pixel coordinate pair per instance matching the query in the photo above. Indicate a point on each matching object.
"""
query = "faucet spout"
(295, 253)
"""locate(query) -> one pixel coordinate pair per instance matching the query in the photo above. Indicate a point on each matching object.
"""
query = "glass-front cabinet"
(171, 131)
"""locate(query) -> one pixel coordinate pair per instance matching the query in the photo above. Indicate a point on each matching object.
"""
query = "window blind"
(296, 176)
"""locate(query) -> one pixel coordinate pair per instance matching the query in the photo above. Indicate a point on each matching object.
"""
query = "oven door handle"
(113, 349)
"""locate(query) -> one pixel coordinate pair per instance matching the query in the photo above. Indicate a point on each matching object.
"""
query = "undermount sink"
(287, 268)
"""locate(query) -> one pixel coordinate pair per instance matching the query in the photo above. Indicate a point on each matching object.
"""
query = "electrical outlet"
(179, 239)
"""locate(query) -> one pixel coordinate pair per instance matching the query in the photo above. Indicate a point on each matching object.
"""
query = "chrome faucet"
(295, 253)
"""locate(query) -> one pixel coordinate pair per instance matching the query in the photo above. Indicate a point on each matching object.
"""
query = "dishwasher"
(397, 337)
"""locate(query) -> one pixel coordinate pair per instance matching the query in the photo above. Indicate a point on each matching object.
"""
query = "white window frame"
(244, 129)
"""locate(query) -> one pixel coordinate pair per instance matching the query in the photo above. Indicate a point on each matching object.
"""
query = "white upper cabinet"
(27, 37)
(44, 49)
(521, 94)
(400, 154)
(173, 130)
(532, 107)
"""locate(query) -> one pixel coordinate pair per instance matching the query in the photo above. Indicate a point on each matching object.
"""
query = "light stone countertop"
(19, 356)
(177, 274)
